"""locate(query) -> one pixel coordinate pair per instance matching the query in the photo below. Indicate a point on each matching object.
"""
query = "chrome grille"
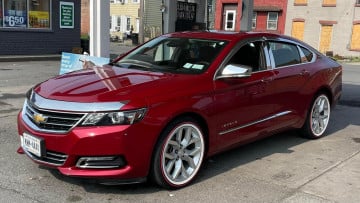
(53, 158)
(56, 122)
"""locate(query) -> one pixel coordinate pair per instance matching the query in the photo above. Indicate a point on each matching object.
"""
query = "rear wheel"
(179, 154)
(318, 117)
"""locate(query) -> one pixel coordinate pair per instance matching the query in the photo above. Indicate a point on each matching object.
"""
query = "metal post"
(141, 16)
(247, 13)
(207, 5)
(99, 28)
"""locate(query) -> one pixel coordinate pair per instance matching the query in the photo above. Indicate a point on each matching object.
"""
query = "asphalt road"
(283, 168)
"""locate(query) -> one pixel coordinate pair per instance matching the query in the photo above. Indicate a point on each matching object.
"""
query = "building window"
(117, 1)
(115, 23)
(357, 3)
(297, 30)
(128, 25)
(230, 20)
(329, 3)
(325, 38)
(39, 14)
(118, 23)
(34, 14)
(272, 21)
(135, 1)
(300, 2)
(15, 13)
(355, 37)
(253, 24)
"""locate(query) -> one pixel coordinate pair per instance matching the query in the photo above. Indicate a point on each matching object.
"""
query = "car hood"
(107, 83)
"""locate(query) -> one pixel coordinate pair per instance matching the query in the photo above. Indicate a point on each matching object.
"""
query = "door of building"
(355, 37)
(325, 38)
(229, 19)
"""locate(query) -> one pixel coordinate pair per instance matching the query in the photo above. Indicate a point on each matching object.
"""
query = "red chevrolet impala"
(158, 111)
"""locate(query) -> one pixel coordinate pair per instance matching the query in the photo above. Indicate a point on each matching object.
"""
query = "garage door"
(297, 30)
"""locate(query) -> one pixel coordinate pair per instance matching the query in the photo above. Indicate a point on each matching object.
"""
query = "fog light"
(107, 162)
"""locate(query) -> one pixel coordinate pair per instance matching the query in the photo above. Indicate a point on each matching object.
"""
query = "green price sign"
(66, 14)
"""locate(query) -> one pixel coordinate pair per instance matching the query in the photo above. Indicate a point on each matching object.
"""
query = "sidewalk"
(116, 48)
(17, 58)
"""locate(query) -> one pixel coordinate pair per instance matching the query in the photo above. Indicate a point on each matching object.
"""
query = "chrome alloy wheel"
(320, 115)
(182, 154)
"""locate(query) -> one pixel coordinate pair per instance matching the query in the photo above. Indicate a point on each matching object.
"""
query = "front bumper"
(130, 146)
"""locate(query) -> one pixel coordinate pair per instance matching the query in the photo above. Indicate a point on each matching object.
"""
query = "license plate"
(33, 144)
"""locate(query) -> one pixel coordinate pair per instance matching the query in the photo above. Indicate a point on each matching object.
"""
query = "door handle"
(304, 73)
(267, 80)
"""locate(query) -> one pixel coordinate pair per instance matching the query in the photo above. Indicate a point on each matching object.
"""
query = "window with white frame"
(118, 23)
(357, 1)
(128, 23)
(230, 17)
(118, 1)
(253, 24)
(115, 23)
(135, 1)
(272, 21)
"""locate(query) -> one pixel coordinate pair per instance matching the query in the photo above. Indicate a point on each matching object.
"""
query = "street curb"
(12, 58)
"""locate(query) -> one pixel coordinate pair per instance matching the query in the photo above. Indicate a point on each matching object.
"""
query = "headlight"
(114, 118)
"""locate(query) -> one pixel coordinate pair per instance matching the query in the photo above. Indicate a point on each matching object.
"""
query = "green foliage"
(85, 37)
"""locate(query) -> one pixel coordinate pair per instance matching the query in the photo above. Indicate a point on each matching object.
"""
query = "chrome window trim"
(254, 123)
(66, 106)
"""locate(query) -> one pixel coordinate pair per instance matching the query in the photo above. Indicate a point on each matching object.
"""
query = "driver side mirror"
(235, 71)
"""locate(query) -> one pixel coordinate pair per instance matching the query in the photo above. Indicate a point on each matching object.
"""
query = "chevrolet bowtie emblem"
(39, 118)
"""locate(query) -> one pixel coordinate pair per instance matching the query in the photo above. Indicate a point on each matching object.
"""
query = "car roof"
(226, 35)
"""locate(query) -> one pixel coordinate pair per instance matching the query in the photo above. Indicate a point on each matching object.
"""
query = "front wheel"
(318, 117)
(179, 154)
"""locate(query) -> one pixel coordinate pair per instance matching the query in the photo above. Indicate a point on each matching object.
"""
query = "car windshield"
(177, 55)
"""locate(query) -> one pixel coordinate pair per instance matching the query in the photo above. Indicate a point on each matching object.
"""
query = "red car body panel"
(220, 105)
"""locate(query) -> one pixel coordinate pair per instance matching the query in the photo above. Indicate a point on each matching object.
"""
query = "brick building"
(331, 26)
(268, 16)
(85, 17)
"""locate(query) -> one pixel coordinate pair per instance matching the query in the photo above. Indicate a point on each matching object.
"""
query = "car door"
(243, 104)
(291, 73)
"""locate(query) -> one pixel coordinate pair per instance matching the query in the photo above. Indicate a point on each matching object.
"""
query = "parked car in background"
(157, 112)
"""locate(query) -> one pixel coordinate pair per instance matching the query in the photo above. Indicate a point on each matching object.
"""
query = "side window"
(308, 54)
(285, 54)
(250, 54)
